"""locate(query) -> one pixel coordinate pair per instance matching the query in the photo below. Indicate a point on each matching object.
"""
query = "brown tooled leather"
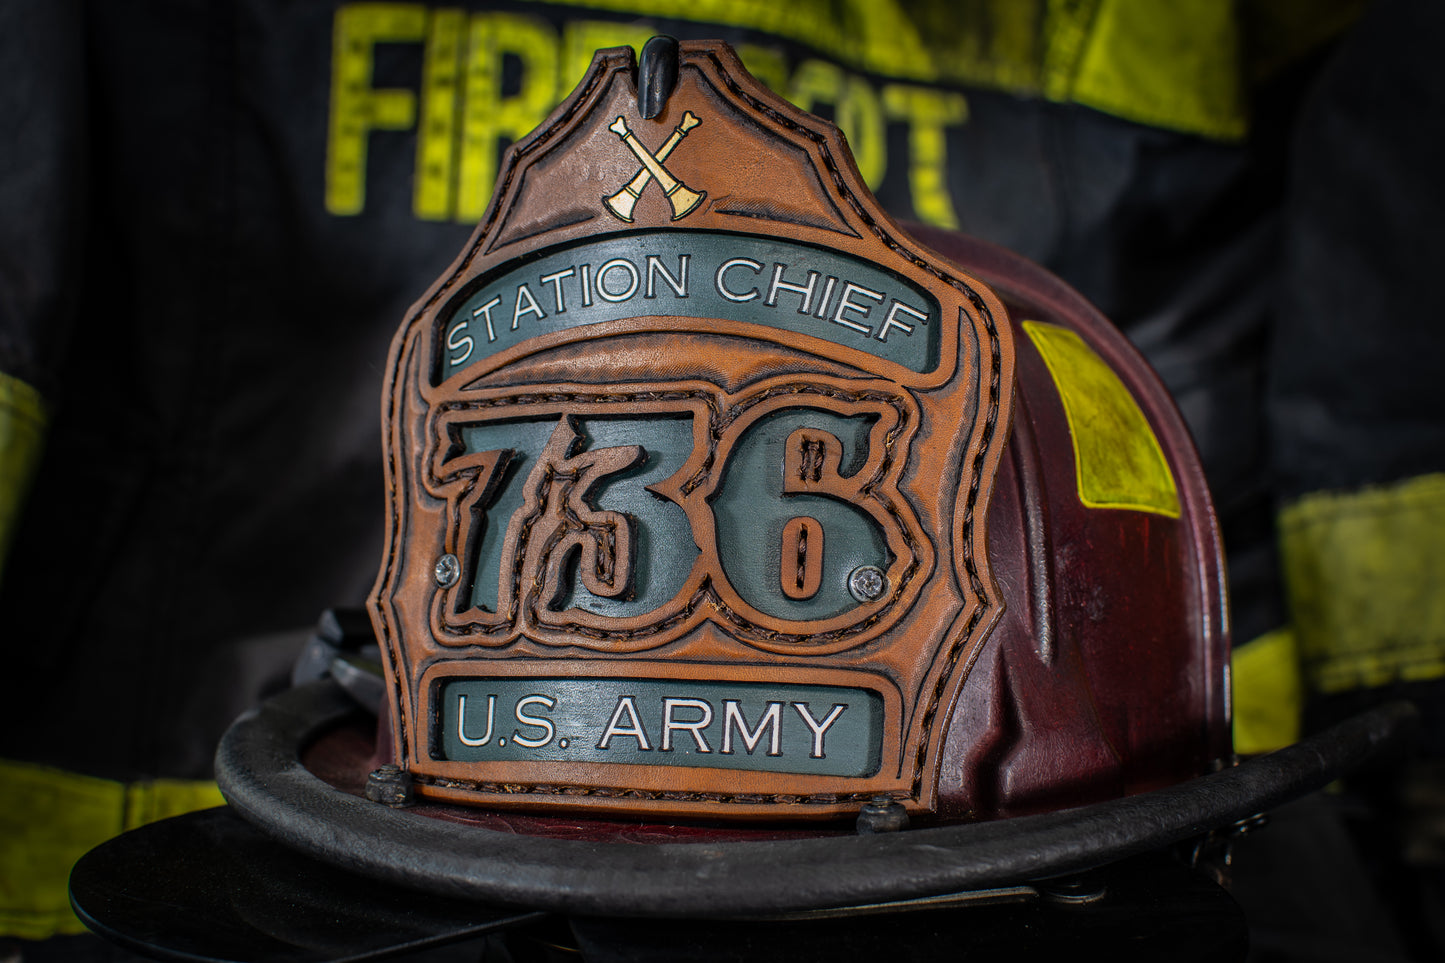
(1034, 656)
(768, 170)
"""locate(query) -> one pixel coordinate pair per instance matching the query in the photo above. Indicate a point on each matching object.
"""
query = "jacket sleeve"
(42, 225)
(1357, 412)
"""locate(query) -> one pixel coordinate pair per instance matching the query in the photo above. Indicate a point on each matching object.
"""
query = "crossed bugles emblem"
(682, 199)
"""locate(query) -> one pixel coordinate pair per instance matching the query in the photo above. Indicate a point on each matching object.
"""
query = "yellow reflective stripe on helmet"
(49, 818)
(1364, 572)
(1117, 458)
(22, 433)
(1268, 697)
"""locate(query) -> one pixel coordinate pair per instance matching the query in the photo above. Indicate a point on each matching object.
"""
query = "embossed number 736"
(599, 527)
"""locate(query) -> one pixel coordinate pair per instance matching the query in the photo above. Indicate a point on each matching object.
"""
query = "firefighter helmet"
(722, 507)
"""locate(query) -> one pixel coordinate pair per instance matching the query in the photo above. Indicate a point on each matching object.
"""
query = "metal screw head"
(447, 570)
(867, 583)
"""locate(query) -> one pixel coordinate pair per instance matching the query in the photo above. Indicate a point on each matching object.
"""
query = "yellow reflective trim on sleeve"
(1176, 65)
(22, 436)
(156, 799)
(1066, 33)
(1268, 693)
(1363, 571)
(49, 818)
(1117, 457)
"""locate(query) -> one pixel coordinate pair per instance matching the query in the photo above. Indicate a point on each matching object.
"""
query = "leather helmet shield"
(688, 457)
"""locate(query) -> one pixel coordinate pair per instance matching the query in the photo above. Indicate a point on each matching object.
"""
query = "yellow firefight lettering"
(767, 64)
(856, 112)
(464, 111)
(1068, 52)
(929, 113)
(440, 84)
(489, 117)
(356, 108)
(583, 38)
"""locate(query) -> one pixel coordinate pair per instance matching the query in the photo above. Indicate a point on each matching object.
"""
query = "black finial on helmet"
(657, 75)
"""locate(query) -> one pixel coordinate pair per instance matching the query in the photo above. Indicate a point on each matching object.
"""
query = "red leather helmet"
(722, 507)
(714, 493)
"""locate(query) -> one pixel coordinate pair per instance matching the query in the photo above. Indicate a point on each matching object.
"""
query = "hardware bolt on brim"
(390, 785)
